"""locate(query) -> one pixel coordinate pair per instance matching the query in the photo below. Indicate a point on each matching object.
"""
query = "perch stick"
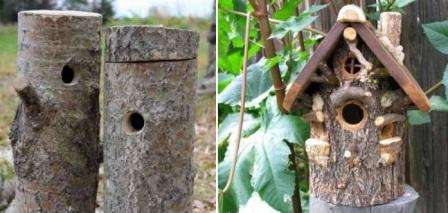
(353, 49)
(389, 118)
(347, 92)
(243, 100)
(27, 94)
(314, 116)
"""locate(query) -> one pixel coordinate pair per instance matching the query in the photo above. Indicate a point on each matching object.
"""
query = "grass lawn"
(204, 192)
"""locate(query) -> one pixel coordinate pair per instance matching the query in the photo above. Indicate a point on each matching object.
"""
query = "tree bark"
(428, 166)
(55, 131)
(149, 119)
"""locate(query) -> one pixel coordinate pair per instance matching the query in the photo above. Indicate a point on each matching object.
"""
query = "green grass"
(8, 52)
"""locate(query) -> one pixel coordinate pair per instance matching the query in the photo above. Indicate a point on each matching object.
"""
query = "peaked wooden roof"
(398, 71)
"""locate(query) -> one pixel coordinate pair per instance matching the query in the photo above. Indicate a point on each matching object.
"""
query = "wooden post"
(149, 95)
(428, 167)
(55, 131)
(403, 204)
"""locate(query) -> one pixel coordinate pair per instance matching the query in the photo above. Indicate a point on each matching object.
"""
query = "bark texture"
(149, 167)
(55, 131)
(355, 174)
(164, 44)
(428, 166)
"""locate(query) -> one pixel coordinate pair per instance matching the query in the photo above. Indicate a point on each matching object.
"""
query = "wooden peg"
(350, 34)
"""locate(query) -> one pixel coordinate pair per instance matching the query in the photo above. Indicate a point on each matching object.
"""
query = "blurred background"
(197, 15)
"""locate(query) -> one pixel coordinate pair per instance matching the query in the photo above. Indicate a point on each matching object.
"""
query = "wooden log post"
(54, 136)
(149, 95)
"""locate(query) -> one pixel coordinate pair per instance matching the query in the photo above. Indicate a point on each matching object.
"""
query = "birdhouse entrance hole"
(133, 122)
(352, 116)
(67, 75)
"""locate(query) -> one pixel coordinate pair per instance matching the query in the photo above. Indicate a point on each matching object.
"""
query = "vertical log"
(390, 26)
(427, 143)
(150, 75)
(55, 131)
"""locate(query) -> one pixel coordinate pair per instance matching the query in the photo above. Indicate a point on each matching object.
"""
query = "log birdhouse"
(355, 91)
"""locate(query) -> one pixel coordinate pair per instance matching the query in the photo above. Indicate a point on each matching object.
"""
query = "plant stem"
(434, 88)
(261, 14)
(242, 100)
(296, 201)
(310, 29)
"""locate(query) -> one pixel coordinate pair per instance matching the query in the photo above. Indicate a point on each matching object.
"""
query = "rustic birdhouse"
(355, 91)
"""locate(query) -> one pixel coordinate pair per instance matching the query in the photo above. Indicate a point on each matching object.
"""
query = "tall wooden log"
(55, 131)
(150, 76)
(428, 166)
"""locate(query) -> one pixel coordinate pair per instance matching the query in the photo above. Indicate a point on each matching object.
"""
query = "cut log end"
(351, 13)
(388, 119)
(350, 34)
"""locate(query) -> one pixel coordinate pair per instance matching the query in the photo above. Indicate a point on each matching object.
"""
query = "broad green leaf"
(403, 3)
(417, 117)
(445, 81)
(314, 8)
(272, 178)
(282, 126)
(288, 10)
(438, 103)
(293, 25)
(256, 204)
(437, 33)
(230, 125)
(224, 79)
(241, 188)
(258, 85)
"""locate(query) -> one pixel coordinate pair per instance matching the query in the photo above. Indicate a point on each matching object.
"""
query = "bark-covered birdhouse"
(355, 91)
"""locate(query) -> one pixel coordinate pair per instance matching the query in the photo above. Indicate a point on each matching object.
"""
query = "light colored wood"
(351, 13)
(350, 34)
(318, 151)
(389, 150)
(388, 119)
(314, 116)
(390, 26)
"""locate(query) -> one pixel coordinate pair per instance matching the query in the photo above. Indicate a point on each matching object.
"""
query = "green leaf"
(224, 79)
(288, 10)
(258, 85)
(293, 25)
(314, 8)
(403, 3)
(437, 33)
(256, 204)
(438, 103)
(417, 117)
(230, 124)
(284, 127)
(272, 178)
(241, 189)
(445, 81)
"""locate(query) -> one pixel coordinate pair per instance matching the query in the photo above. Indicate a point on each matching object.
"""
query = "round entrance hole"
(67, 74)
(133, 122)
(352, 113)
(352, 116)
